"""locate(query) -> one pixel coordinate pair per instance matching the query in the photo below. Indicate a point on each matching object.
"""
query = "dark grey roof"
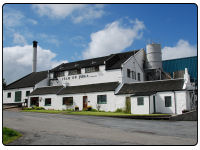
(60, 90)
(100, 87)
(28, 81)
(112, 61)
(46, 90)
(152, 86)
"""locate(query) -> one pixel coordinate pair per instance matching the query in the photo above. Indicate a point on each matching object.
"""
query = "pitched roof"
(46, 90)
(152, 86)
(100, 87)
(112, 61)
(60, 90)
(28, 81)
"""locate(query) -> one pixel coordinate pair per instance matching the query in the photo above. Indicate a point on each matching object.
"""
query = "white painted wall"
(140, 109)
(42, 83)
(183, 101)
(101, 76)
(160, 103)
(151, 107)
(12, 98)
(134, 63)
(113, 101)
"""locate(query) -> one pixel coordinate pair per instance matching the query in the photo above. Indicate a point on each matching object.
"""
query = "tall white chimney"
(34, 56)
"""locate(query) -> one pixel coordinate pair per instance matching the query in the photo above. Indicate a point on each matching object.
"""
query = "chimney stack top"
(35, 43)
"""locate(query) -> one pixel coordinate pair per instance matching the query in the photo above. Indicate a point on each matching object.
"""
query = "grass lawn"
(10, 135)
(92, 113)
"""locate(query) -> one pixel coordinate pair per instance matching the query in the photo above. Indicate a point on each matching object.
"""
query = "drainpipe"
(175, 102)
(149, 104)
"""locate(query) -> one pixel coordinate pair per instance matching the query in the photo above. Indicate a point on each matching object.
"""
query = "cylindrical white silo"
(154, 56)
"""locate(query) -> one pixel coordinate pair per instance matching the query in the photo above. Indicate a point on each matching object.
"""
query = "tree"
(4, 83)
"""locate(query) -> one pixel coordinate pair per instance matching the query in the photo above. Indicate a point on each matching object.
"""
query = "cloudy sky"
(71, 32)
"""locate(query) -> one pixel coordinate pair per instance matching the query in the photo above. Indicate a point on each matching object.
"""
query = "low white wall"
(12, 91)
(140, 109)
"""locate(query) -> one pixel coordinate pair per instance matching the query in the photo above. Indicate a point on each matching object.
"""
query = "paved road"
(57, 129)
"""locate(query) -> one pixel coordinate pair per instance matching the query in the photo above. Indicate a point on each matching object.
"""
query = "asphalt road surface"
(58, 129)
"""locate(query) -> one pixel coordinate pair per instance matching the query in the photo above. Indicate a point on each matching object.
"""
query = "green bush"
(119, 110)
(70, 109)
(89, 108)
(38, 108)
(94, 110)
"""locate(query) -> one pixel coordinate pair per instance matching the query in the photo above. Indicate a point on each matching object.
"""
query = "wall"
(91, 78)
(12, 98)
(134, 63)
(113, 101)
(140, 109)
(42, 83)
(151, 107)
(160, 103)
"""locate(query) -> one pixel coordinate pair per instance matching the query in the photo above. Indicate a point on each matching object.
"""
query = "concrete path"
(58, 129)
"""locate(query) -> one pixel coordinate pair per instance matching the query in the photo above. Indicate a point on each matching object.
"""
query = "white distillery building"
(106, 83)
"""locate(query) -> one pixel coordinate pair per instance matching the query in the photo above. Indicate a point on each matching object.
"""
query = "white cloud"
(78, 12)
(89, 13)
(19, 39)
(17, 61)
(113, 38)
(32, 21)
(12, 18)
(182, 49)
(56, 10)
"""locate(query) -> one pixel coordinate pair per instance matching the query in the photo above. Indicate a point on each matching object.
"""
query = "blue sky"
(68, 33)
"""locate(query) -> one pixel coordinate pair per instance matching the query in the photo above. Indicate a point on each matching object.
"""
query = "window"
(138, 76)
(74, 72)
(9, 95)
(128, 73)
(101, 99)
(59, 74)
(133, 75)
(27, 93)
(18, 95)
(47, 102)
(91, 69)
(140, 101)
(168, 101)
(68, 101)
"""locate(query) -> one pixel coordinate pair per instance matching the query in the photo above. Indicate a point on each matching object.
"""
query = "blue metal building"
(173, 65)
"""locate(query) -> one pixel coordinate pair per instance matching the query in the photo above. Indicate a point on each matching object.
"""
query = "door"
(128, 105)
(18, 95)
(85, 102)
(154, 104)
(34, 101)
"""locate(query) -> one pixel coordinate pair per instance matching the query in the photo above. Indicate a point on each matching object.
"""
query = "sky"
(71, 32)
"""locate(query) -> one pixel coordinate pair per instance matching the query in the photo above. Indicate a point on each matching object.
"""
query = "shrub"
(94, 110)
(38, 108)
(89, 108)
(76, 108)
(26, 108)
(119, 110)
(70, 109)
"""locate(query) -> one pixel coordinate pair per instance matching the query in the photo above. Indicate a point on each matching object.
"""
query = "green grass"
(10, 135)
(92, 113)
(45, 111)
